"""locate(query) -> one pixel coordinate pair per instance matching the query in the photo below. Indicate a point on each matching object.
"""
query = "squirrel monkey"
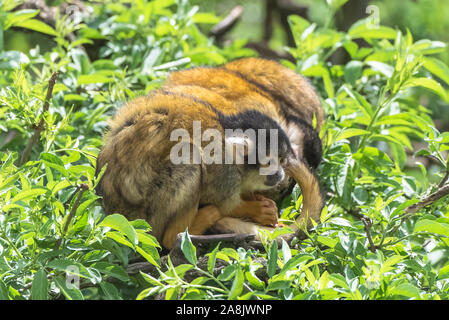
(287, 98)
(145, 177)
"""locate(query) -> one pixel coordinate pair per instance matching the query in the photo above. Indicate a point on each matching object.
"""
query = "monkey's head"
(259, 146)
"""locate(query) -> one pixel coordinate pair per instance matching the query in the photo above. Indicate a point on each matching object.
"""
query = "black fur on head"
(253, 119)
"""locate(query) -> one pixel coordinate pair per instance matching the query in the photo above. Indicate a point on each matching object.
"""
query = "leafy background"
(385, 149)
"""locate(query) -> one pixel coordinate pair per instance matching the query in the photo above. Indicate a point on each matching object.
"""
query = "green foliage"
(52, 229)
(55, 241)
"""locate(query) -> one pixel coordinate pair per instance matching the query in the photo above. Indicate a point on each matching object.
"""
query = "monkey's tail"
(312, 203)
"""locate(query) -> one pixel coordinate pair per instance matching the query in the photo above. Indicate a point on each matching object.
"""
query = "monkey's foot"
(259, 209)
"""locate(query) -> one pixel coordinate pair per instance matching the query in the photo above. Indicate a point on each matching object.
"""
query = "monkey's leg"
(204, 219)
(196, 220)
(259, 209)
(178, 224)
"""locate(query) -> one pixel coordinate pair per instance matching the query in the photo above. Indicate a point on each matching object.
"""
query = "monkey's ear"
(237, 147)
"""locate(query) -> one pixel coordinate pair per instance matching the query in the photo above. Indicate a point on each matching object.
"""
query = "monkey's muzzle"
(273, 179)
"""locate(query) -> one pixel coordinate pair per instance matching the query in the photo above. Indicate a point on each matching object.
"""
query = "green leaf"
(406, 290)
(151, 255)
(278, 284)
(93, 78)
(27, 194)
(206, 17)
(327, 241)
(39, 286)
(83, 206)
(111, 270)
(52, 161)
(350, 132)
(363, 29)
(212, 259)
(118, 237)
(428, 83)
(148, 292)
(110, 291)
(74, 97)
(432, 226)
(36, 25)
(237, 284)
(390, 263)
(443, 273)
(18, 16)
(188, 248)
(286, 251)
(295, 261)
(72, 293)
(426, 46)
(120, 223)
(344, 181)
(399, 154)
(151, 280)
(298, 25)
(147, 239)
(60, 185)
(437, 67)
(365, 106)
(75, 268)
(228, 272)
(336, 4)
(328, 85)
(381, 67)
(252, 278)
(353, 71)
(321, 71)
(272, 259)
(3, 291)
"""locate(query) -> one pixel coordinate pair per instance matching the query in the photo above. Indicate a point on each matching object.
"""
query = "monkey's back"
(141, 181)
(276, 91)
(259, 84)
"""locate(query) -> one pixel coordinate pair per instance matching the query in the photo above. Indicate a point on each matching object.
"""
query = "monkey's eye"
(283, 161)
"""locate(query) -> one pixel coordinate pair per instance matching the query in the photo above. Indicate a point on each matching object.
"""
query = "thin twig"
(437, 195)
(443, 182)
(82, 188)
(367, 227)
(41, 126)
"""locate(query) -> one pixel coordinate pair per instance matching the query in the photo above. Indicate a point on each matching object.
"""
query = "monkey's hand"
(259, 209)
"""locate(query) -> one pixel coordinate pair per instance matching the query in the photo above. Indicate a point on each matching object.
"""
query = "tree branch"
(437, 195)
(221, 28)
(443, 181)
(41, 126)
(48, 13)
